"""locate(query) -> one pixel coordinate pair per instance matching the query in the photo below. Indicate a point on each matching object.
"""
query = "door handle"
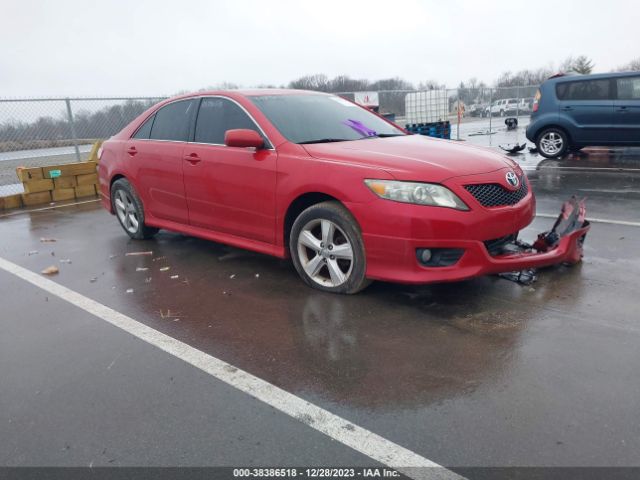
(193, 158)
(567, 109)
(622, 109)
(132, 151)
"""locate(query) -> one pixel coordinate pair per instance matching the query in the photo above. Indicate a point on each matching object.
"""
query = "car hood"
(414, 157)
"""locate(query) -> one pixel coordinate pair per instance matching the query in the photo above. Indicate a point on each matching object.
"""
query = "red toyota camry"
(349, 196)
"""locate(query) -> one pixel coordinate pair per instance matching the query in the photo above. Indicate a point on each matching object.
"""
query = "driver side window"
(216, 116)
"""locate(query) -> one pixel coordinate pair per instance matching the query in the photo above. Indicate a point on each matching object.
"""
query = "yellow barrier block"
(85, 191)
(35, 186)
(33, 173)
(10, 201)
(61, 194)
(29, 199)
(70, 169)
(87, 179)
(64, 182)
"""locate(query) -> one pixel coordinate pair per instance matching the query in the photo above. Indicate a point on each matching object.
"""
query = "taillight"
(536, 101)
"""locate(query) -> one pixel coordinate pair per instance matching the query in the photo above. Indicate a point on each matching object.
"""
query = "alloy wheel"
(551, 143)
(126, 210)
(325, 253)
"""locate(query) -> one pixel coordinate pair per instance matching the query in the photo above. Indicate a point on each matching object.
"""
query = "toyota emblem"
(512, 179)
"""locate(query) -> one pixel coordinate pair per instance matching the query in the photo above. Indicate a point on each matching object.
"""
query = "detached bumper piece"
(562, 244)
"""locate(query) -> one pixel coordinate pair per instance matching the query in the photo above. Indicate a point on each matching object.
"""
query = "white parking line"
(360, 439)
(595, 220)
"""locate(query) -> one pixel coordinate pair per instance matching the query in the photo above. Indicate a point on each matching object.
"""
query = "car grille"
(495, 195)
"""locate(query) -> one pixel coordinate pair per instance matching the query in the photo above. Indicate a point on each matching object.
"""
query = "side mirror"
(242, 137)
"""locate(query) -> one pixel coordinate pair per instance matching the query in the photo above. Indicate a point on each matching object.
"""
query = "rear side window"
(584, 90)
(216, 116)
(172, 122)
(145, 130)
(629, 88)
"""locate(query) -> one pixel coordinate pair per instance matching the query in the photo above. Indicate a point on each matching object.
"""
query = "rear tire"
(552, 143)
(327, 249)
(128, 208)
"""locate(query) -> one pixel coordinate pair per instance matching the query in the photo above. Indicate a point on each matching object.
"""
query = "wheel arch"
(113, 179)
(300, 204)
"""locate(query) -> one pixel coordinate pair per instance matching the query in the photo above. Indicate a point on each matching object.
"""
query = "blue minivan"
(572, 111)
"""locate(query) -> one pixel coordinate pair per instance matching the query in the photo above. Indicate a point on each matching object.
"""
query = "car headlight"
(416, 193)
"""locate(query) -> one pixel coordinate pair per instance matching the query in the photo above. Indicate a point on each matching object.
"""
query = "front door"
(229, 189)
(588, 106)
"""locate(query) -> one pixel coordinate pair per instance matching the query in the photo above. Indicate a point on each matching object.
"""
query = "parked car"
(477, 109)
(503, 107)
(573, 111)
(524, 106)
(348, 195)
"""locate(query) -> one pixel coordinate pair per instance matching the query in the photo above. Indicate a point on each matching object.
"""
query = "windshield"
(308, 118)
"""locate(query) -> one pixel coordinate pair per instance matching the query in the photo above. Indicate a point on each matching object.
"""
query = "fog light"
(438, 257)
(425, 255)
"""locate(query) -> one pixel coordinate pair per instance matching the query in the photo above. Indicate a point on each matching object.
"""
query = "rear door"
(155, 160)
(587, 105)
(626, 110)
(229, 189)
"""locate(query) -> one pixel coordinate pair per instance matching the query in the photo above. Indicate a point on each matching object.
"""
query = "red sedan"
(349, 196)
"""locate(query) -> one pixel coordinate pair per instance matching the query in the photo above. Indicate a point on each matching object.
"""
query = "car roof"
(570, 77)
(254, 92)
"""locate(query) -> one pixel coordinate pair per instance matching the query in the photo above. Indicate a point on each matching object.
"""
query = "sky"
(159, 47)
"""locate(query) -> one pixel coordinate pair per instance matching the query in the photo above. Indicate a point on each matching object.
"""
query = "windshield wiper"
(325, 140)
(383, 135)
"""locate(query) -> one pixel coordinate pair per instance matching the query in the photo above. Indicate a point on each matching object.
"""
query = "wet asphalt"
(485, 372)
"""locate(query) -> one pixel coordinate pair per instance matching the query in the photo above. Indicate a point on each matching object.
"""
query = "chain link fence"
(47, 131)
(51, 131)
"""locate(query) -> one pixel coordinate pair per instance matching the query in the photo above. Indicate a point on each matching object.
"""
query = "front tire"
(327, 249)
(552, 143)
(128, 208)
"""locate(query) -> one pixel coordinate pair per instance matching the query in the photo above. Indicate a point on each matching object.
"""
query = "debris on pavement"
(232, 276)
(93, 279)
(257, 275)
(169, 314)
(533, 149)
(524, 277)
(65, 260)
(47, 240)
(52, 270)
(33, 252)
(112, 256)
(129, 290)
(511, 123)
(164, 269)
(513, 147)
(141, 269)
(482, 132)
(158, 259)
(147, 280)
(174, 277)
(136, 254)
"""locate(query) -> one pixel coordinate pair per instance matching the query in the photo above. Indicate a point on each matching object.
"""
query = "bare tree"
(632, 66)
(581, 64)
(430, 85)
(318, 82)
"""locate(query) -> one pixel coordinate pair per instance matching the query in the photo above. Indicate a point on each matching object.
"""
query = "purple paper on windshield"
(360, 128)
